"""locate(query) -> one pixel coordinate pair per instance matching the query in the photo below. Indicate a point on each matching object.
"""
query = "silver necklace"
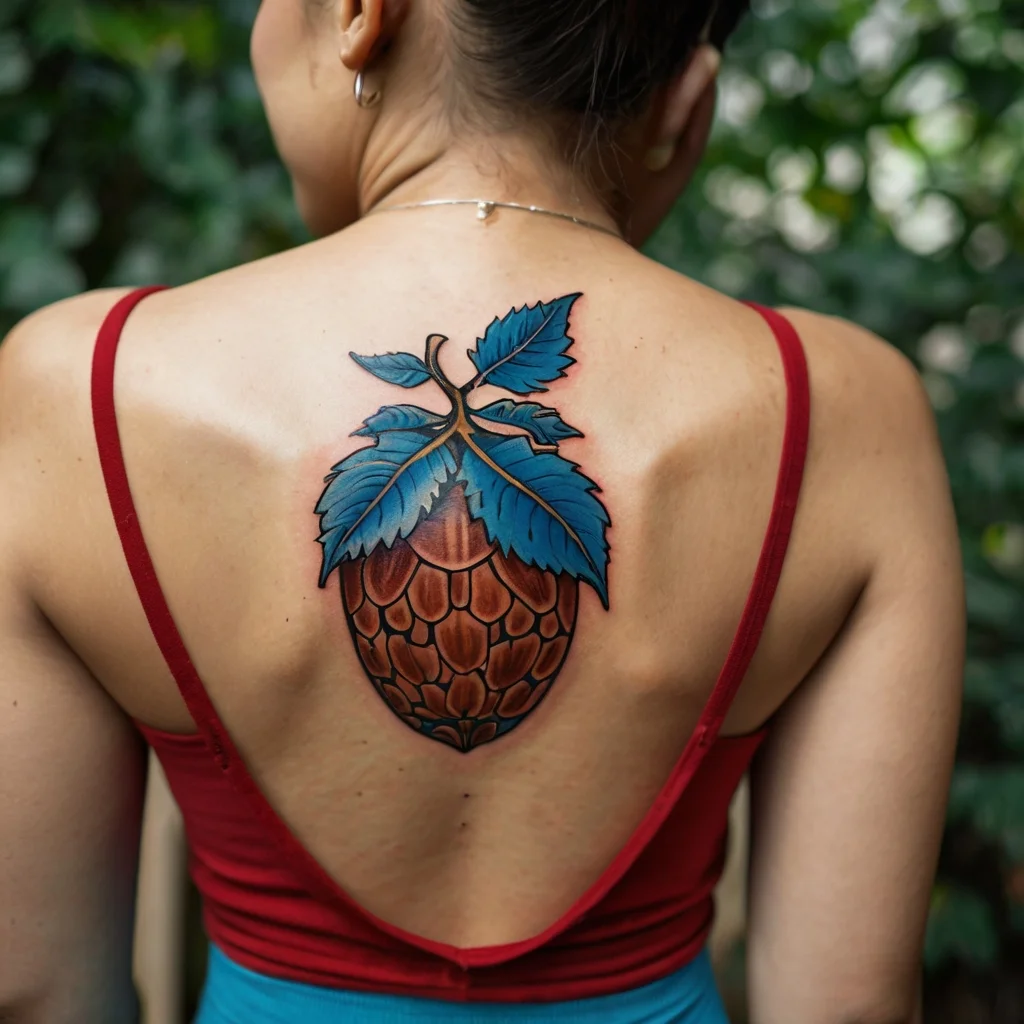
(485, 207)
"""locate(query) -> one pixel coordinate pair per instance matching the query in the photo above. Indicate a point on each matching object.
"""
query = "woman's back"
(236, 396)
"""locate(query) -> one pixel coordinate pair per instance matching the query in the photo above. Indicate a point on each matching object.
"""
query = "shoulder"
(853, 371)
(45, 409)
(48, 458)
(42, 360)
(862, 382)
(875, 453)
(80, 312)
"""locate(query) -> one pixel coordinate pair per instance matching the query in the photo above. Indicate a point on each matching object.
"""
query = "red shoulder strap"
(140, 565)
(780, 524)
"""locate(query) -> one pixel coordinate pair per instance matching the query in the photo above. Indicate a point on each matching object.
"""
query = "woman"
(454, 683)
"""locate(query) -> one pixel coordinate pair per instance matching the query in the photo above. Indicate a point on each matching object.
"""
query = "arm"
(850, 790)
(71, 767)
(160, 907)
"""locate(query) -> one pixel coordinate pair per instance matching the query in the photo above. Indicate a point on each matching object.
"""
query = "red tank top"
(271, 907)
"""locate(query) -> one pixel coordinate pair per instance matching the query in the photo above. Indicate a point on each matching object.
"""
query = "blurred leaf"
(992, 799)
(960, 926)
(15, 64)
(75, 220)
(41, 278)
(16, 168)
(136, 36)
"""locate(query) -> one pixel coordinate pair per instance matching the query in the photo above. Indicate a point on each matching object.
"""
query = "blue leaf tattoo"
(539, 505)
(401, 368)
(544, 424)
(397, 417)
(526, 349)
(379, 493)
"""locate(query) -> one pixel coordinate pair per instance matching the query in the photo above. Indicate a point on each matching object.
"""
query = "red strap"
(108, 442)
(162, 624)
(748, 633)
(780, 525)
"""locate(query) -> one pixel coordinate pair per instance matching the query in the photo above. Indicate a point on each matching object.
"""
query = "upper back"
(235, 398)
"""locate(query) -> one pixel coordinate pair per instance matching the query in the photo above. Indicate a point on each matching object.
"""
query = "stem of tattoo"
(456, 395)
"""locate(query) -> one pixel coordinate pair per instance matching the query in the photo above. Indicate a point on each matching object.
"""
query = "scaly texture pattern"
(461, 640)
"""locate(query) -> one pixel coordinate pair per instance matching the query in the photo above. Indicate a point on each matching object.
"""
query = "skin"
(235, 395)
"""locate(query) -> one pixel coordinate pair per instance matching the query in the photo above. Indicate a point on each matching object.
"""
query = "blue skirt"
(235, 995)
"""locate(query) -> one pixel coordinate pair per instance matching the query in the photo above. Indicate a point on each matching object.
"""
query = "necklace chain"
(485, 207)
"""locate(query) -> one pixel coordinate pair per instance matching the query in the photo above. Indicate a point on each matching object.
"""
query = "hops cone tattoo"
(460, 547)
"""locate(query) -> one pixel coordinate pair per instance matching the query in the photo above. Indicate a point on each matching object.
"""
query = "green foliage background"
(868, 161)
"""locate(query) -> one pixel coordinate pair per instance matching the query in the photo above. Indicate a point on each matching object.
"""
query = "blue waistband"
(236, 995)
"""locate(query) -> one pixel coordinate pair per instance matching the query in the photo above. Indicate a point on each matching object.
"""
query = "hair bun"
(598, 60)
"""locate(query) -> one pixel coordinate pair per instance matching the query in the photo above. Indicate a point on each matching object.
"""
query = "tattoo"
(460, 547)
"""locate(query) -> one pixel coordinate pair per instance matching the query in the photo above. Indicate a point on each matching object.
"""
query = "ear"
(674, 112)
(366, 28)
(662, 156)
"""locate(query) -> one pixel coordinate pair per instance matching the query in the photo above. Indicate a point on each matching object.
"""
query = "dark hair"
(596, 61)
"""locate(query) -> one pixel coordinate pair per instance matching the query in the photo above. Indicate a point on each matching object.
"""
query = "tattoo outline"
(459, 547)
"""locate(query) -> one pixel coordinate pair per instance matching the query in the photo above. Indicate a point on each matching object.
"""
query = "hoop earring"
(363, 99)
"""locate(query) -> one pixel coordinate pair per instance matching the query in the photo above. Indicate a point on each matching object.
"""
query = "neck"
(508, 168)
